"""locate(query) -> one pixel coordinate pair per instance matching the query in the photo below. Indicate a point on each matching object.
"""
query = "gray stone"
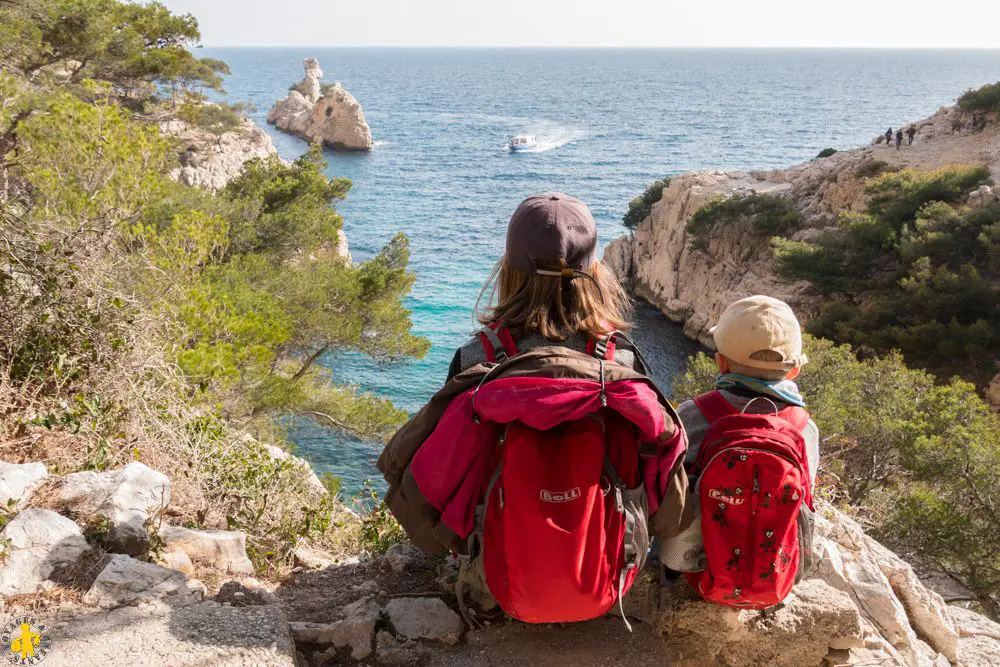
(225, 550)
(391, 651)
(425, 618)
(356, 629)
(18, 481)
(129, 498)
(177, 560)
(401, 556)
(242, 595)
(39, 543)
(125, 580)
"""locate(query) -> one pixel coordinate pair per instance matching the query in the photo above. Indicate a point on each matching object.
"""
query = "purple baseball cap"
(550, 227)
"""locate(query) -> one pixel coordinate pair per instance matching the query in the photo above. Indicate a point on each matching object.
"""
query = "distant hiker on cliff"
(909, 135)
(888, 137)
(549, 456)
(899, 138)
(754, 451)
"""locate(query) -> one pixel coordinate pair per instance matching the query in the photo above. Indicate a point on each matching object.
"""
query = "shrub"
(919, 462)
(914, 273)
(826, 152)
(768, 215)
(641, 207)
(870, 168)
(986, 98)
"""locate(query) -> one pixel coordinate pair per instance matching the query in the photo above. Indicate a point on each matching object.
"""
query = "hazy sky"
(859, 23)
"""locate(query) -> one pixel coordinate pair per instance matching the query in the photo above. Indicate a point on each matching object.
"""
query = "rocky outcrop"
(693, 286)
(130, 499)
(329, 115)
(35, 546)
(224, 550)
(210, 161)
(18, 482)
(993, 392)
(125, 581)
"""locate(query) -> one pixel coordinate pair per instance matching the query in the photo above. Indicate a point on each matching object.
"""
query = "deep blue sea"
(608, 121)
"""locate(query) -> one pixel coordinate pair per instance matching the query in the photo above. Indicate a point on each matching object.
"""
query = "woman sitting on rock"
(548, 450)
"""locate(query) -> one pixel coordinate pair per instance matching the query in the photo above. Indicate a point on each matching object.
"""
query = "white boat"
(521, 142)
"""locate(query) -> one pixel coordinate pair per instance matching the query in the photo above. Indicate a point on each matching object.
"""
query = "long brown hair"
(554, 306)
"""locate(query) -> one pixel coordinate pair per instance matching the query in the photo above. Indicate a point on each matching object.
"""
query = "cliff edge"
(692, 286)
(327, 115)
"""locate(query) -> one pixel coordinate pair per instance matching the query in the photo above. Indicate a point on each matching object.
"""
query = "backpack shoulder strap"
(714, 406)
(497, 342)
(603, 347)
(796, 416)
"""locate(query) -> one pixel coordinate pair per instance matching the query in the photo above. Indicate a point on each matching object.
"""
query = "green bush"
(986, 98)
(870, 168)
(920, 462)
(768, 215)
(915, 272)
(641, 207)
(826, 152)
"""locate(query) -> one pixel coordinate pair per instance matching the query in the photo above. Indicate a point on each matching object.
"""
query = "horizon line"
(599, 47)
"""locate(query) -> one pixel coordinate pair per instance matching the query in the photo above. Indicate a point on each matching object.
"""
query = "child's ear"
(794, 373)
(722, 363)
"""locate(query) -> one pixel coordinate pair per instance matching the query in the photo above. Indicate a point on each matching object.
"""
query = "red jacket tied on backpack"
(547, 466)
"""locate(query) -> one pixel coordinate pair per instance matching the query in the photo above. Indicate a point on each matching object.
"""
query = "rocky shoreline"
(692, 287)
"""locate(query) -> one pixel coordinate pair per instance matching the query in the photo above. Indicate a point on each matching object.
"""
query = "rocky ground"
(327, 115)
(171, 595)
(693, 287)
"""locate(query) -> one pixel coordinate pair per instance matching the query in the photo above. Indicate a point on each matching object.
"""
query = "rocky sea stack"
(327, 115)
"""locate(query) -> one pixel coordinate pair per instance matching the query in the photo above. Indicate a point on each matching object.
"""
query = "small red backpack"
(752, 478)
(562, 530)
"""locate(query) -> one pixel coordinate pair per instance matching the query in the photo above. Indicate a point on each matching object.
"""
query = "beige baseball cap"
(755, 326)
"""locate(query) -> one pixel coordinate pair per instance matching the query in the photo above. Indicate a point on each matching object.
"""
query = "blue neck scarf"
(783, 390)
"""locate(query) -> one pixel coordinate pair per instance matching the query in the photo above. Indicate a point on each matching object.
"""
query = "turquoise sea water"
(608, 121)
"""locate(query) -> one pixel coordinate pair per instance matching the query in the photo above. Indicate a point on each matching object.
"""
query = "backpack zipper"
(719, 453)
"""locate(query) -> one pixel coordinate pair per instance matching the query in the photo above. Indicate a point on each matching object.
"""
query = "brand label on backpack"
(561, 496)
(719, 495)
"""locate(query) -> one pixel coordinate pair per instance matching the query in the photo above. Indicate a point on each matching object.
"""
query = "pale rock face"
(225, 550)
(401, 556)
(425, 618)
(37, 543)
(329, 116)
(209, 161)
(690, 286)
(309, 86)
(178, 560)
(693, 287)
(18, 481)
(128, 498)
(993, 392)
(979, 638)
(125, 581)
(356, 629)
(861, 604)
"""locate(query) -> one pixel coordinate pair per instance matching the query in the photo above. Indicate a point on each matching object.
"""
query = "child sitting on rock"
(756, 471)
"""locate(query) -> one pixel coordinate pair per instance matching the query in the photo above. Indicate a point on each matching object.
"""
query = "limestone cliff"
(210, 161)
(693, 287)
(329, 115)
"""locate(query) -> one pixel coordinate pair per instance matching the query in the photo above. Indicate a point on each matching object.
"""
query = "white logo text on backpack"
(561, 496)
(719, 495)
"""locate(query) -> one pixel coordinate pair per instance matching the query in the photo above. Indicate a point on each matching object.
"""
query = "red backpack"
(562, 529)
(752, 478)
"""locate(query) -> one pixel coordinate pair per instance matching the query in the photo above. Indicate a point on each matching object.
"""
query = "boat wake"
(550, 138)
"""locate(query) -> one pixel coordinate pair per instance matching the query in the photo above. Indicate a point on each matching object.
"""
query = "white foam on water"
(550, 136)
